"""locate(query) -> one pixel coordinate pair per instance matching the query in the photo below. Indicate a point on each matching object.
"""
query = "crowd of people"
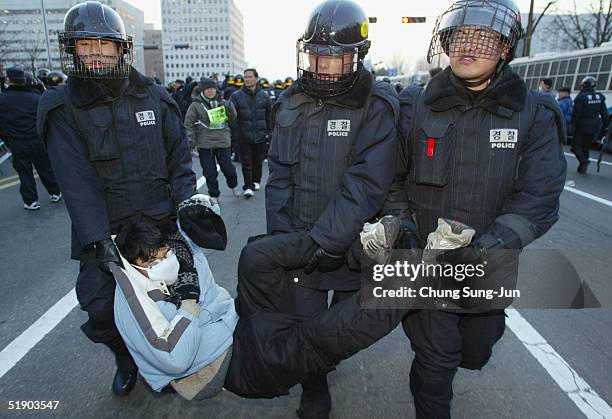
(355, 170)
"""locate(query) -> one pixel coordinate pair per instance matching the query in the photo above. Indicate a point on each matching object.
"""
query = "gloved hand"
(186, 291)
(322, 260)
(379, 238)
(107, 253)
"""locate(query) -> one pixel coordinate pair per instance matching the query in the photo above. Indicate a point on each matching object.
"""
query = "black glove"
(322, 261)
(186, 291)
(106, 252)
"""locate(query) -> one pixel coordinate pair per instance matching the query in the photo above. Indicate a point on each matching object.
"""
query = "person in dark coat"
(480, 149)
(18, 130)
(213, 140)
(252, 129)
(333, 136)
(117, 145)
(589, 121)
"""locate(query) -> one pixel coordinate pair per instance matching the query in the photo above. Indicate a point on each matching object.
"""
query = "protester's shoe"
(236, 192)
(257, 186)
(124, 382)
(55, 198)
(214, 200)
(248, 193)
(582, 168)
(315, 403)
(31, 207)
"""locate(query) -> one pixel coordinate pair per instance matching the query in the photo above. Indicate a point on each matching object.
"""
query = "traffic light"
(410, 19)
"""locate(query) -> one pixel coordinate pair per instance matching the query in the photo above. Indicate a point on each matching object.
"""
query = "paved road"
(64, 366)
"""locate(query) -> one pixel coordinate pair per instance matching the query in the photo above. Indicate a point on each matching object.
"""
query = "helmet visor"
(325, 71)
(96, 57)
(476, 28)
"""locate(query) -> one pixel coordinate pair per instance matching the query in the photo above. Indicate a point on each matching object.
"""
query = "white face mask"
(165, 271)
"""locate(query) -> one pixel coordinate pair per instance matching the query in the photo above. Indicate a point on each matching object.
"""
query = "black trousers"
(95, 290)
(581, 144)
(275, 348)
(209, 159)
(442, 342)
(24, 157)
(251, 158)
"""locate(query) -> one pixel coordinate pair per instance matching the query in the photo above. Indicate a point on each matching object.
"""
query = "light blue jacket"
(169, 343)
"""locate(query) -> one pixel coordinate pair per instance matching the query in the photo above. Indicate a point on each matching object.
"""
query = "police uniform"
(332, 139)
(589, 118)
(116, 143)
(490, 159)
(114, 158)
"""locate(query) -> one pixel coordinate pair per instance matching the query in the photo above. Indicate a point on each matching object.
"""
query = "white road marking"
(588, 195)
(578, 390)
(607, 163)
(19, 347)
(23, 343)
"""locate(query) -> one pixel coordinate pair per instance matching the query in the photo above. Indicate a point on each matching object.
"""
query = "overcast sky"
(271, 28)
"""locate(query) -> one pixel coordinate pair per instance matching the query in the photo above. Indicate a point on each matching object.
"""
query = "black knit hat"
(206, 83)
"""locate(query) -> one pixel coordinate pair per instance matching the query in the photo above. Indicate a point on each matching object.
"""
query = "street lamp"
(44, 13)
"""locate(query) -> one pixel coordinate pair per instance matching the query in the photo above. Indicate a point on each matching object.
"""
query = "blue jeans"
(209, 159)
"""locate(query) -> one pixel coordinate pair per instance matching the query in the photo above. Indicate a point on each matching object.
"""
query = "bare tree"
(531, 25)
(422, 65)
(32, 48)
(586, 30)
(398, 61)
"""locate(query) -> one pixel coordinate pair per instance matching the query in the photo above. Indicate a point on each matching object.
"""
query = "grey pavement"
(36, 272)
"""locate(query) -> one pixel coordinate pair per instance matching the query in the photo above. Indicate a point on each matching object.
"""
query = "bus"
(419, 78)
(567, 69)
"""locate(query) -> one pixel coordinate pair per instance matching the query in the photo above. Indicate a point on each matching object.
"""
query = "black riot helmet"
(264, 83)
(42, 74)
(288, 82)
(488, 29)
(589, 82)
(330, 53)
(278, 84)
(97, 23)
(56, 78)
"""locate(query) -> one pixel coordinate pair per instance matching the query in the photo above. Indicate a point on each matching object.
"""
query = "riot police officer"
(117, 146)
(42, 74)
(277, 88)
(477, 147)
(589, 119)
(333, 136)
(288, 82)
(56, 78)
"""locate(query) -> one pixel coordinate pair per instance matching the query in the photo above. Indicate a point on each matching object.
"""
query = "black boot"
(124, 382)
(315, 402)
(127, 371)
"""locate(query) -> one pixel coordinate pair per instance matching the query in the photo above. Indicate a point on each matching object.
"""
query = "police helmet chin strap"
(498, 69)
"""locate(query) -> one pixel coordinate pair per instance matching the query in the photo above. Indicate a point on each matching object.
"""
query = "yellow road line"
(8, 185)
(6, 179)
